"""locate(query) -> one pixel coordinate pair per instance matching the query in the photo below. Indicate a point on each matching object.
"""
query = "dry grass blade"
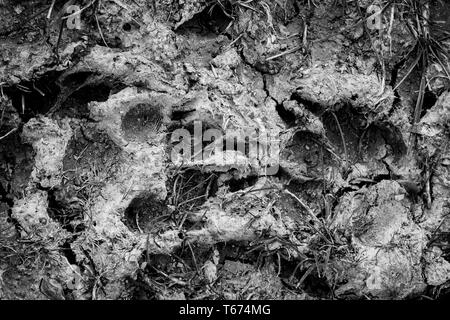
(284, 53)
(305, 275)
(51, 9)
(11, 131)
(98, 24)
(308, 209)
(344, 145)
(420, 98)
(408, 72)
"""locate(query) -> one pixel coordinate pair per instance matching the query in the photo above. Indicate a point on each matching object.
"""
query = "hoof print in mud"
(146, 214)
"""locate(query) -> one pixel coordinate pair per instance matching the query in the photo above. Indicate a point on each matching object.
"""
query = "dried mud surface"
(92, 207)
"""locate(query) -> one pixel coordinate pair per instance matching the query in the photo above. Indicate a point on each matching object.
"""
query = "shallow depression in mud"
(146, 213)
(142, 122)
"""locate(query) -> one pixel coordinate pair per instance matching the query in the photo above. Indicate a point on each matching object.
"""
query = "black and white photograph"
(226, 154)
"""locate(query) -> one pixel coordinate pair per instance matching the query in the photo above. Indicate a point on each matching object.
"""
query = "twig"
(410, 69)
(420, 98)
(235, 40)
(284, 53)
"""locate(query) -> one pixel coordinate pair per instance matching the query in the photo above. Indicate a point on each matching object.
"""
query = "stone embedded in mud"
(388, 244)
(228, 59)
(210, 271)
(49, 140)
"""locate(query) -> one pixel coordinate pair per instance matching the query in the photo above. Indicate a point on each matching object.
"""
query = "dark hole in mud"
(68, 253)
(212, 20)
(438, 293)
(317, 286)
(126, 27)
(242, 183)
(130, 26)
(178, 115)
(310, 281)
(75, 79)
(286, 115)
(65, 209)
(158, 261)
(76, 105)
(138, 289)
(429, 100)
(142, 122)
(237, 251)
(18, 164)
(80, 88)
(146, 213)
(31, 98)
(189, 189)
